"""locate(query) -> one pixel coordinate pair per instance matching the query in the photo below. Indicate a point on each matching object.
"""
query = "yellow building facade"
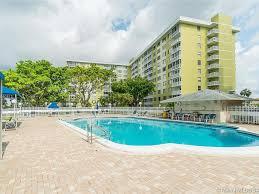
(190, 55)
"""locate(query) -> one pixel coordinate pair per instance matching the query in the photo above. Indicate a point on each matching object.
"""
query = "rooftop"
(181, 19)
(207, 95)
(96, 62)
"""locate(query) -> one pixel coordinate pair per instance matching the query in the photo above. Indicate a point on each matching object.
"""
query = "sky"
(116, 30)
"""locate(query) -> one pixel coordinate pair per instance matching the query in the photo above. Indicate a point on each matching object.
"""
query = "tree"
(137, 87)
(122, 99)
(87, 80)
(38, 82)
(117, 99)
(246, 92)
(120, 87)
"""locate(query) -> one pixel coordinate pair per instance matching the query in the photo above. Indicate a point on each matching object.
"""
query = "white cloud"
(255, 39)
(248, 70)
(58, 30)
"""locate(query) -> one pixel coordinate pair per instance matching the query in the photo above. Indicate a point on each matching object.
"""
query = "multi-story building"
(120, 70)
(190, 55)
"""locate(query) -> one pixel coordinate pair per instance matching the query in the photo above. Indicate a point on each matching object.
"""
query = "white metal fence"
(41, 111)
(244, 114)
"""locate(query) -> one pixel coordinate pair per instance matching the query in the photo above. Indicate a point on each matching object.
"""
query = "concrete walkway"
(43, 156)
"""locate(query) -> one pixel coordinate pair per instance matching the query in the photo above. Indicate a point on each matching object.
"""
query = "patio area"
(43, 156)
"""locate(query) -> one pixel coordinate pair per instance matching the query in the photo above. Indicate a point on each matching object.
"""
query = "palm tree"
(246, 92)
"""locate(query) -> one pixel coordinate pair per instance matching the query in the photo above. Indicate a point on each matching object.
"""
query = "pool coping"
(171, 147)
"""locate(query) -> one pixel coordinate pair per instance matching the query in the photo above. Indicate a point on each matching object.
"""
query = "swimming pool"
(148, 132)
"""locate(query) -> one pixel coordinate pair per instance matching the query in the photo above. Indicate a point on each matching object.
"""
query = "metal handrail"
(106, 132)
(107, 135)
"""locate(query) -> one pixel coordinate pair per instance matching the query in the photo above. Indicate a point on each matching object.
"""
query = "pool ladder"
(107, 134)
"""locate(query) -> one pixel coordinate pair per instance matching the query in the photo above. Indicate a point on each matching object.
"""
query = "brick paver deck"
(42, 156)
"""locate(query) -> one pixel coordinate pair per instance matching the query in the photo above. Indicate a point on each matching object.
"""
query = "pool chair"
(9, 123)
(178, 116)
(170, 114)
(187, 117)
(143, 113)
(211, 118)
(194, 117)
(200, 117)
(134, 112)
(181, 116)
(175, 116)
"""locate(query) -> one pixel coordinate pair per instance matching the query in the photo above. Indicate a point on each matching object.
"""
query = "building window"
(163, 62)
(199, 45)
(199, 62)
(199, 88)
(159, 98)
(199, 71)
(199, 53)
(198, 28)
(199, 79)
(164, 98)
(199, 38)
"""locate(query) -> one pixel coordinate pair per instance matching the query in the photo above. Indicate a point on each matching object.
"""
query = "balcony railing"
(213, 57)
(213, 66)
(176, 92)
(214, 74)
(174, 58)
(176, 67)
(212, 49)
(175, 50)
(176, 75)
(213, 40)
(213, 83)
(176, 84)
(212, 32)
(175, 41)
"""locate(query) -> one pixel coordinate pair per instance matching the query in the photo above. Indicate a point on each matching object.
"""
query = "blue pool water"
(139, 132)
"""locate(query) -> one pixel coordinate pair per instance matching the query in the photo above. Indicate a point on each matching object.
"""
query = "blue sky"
(115, 30)
(120, 24)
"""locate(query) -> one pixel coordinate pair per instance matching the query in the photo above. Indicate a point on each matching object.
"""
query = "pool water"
(140, 132)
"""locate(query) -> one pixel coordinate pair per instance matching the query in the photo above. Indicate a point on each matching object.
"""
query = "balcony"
(174, 58)
(213, 57)
(212, 32)
(213, 74)
(213, 66)
(176, 84)
(213, 40)
(176, 75)
(175, 41)
(176, 67)
(175, 50)
(213, 49)
(213, 83)
(176, 92)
